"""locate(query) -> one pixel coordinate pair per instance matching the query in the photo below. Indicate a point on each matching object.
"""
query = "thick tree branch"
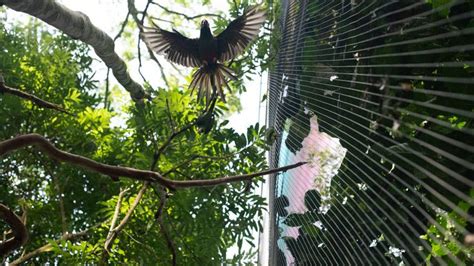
(35, 100)
(78, 26)
(20, 234)
(116, 171)
(113, 171)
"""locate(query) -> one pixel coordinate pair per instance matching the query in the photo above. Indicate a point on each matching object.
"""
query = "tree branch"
(164, 230)
(35, 100)
(114, 218)
(186, 16)
(43, 144)
(113, 171)
(165, 145)
(20, 233)
(62, 210)
(78, 26)
(48, 247)
(116, 231)
(133, 11)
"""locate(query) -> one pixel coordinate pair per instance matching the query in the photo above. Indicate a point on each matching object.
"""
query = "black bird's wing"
(178, 48)
(239, 33)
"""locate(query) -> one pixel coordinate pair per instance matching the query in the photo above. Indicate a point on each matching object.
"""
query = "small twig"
(20, 233)
(122, 27)
(59, 191)
(107, 89)
(144, 13)
(62, 210)
(168, 109)
(165, 145)
(48, 247)
(133, 11)
(169, 241)
(185, 162)
(37, 101)
(194, 157)
(186, 16)
(160, 19)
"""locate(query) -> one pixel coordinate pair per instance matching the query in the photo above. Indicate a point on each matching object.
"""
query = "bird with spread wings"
(208, 52)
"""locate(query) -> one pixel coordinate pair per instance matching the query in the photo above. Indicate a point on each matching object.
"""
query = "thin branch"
(43, 144)
(20, 233)
(133, 11)
(116, 214)
(59, 191)
(48, 247)
(62, 210)
(122, 27)
(165, 145)
(168, 112)
(116, 231)
(186, 16)
(185, 162)
(162, 194)
(144, 13)
(107, 90)
(78, 26)
(194, 157)
(160, 19)
(35, 100)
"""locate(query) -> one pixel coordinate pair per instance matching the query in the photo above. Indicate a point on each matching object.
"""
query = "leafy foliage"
(59, 199)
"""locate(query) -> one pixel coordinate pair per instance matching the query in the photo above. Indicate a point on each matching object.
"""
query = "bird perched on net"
(208, 52)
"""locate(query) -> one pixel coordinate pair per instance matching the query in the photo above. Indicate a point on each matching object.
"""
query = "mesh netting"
(378, 97)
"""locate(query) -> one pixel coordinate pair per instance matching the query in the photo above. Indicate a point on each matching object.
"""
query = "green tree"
(68, 182)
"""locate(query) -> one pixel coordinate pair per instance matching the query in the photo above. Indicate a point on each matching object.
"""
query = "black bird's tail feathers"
(211, 79)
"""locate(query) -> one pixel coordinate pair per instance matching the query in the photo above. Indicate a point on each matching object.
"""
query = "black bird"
(208, 52)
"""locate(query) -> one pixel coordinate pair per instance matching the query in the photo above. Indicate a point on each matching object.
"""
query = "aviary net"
(377, 97)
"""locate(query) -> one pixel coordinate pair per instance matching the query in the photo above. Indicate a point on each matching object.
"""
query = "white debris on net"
(356, 56)
(396, 252)
(333, 77)
(373, 243)
(362, 186)
(328, 92)
(318, 224)
(344, 201)
(376, 241)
